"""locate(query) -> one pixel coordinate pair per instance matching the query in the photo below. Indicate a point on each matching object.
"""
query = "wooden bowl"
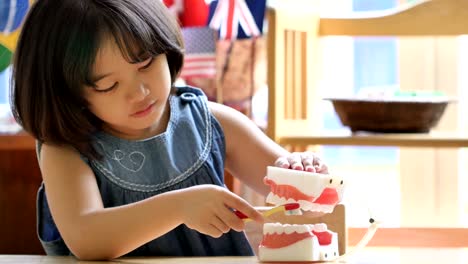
(390, 115)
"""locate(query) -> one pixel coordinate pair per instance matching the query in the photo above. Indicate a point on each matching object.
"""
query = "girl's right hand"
(208, 209)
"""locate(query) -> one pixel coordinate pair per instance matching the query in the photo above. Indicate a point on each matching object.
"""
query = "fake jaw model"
(313, 191)
(285, 242)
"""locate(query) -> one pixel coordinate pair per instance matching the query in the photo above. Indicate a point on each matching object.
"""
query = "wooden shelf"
(418, 18)
(346, 138)
(16, 141)
(23, 141)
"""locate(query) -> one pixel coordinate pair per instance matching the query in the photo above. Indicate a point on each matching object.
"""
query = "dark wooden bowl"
(390, 115)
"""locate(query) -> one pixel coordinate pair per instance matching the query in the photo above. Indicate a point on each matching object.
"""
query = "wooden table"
(367, 256)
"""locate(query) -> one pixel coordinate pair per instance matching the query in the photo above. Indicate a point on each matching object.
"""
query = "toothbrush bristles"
(292, 209)
(291, 206)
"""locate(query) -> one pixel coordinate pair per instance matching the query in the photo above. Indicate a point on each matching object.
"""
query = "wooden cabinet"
(19, 180)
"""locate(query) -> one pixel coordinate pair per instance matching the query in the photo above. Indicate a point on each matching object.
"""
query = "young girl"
(131, 164)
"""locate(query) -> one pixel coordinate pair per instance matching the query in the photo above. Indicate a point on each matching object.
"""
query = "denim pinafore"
(190, 152)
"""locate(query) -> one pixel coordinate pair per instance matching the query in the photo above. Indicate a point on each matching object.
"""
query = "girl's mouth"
(144, 112)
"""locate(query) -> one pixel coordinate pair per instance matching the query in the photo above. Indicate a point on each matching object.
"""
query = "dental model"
(313, 191)
(285, 242)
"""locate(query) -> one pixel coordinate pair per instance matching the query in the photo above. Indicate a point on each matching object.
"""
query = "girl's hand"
(306, 161)
(208, 209)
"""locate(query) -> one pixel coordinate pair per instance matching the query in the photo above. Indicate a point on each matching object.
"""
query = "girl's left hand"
(306, 161)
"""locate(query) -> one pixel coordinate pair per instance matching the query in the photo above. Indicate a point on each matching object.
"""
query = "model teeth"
(308, 183)
(322, 227)
(275, 199)
(305, 205)
(278, 228)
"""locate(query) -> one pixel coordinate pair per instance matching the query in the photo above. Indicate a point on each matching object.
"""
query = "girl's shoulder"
(58, 150)
(188, 94)
(189, 101)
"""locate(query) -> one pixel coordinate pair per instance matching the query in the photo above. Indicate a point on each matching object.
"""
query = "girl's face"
(131, 99)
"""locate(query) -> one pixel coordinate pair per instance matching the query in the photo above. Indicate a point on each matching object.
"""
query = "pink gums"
(329, 196)
(288, 191)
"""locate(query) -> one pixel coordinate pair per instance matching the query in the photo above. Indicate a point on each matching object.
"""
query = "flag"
(237, 19)
(191, 13)
(175, 6)
(11, 14)
(200, 56)
(195, 13)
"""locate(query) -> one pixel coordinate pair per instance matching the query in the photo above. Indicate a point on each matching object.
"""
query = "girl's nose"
(139, 93)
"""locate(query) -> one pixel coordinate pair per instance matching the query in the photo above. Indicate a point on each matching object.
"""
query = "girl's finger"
(319, 166)
(235, 202)
(212, 231)
(232, 220)
(282, 162)
(295, 161)
(322, 168)
(317, 161)
(307, 162)
(220, 225)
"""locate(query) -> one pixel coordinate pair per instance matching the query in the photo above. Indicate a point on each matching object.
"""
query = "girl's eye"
(107, 89)
(147, 64)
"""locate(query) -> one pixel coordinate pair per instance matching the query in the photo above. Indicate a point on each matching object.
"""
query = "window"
(4, 85)
(7, 123)
(362, 64)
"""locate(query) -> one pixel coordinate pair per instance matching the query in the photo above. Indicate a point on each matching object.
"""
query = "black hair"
(56, 52)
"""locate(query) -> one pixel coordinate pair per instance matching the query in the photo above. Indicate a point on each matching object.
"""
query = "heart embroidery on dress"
(134, 162)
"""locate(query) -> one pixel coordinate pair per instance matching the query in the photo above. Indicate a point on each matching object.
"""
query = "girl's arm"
(248, 150)
(94, 232)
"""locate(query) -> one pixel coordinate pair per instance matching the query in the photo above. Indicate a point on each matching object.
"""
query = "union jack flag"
(200, 55)
(237, 19)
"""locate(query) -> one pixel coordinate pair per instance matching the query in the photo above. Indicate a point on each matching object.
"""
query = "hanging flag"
(11, 14)
(237, 19)
(191, 13)
(200, 57)
(5, 58)
(195, 13)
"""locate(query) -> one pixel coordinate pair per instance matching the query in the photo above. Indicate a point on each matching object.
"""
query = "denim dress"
(190, 152)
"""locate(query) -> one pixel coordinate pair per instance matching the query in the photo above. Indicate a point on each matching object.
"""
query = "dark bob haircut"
(56, 52)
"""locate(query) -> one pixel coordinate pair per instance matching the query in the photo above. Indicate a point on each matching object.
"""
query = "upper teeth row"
(278, 228)
(308, 183)
(305, 205)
